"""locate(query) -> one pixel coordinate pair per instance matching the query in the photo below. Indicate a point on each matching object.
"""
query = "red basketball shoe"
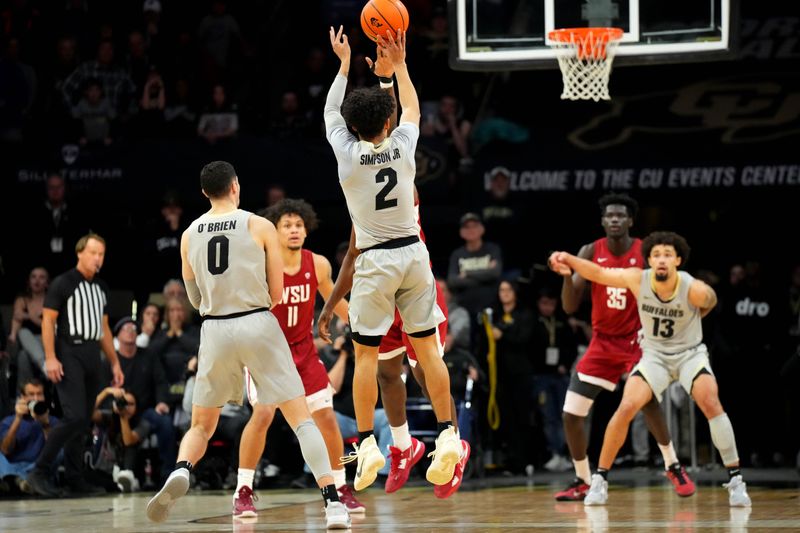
(683, 484)
(576, 492)
(243, 503)
(402, 463)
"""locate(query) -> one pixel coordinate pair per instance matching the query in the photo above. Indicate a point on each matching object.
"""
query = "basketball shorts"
(396, 342)
(389, 278)
(255, 341)
(660, 369)
(318, 389)
(608, 358)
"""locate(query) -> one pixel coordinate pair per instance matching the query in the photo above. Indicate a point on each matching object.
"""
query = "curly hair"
(289, 206)
(619, 199)
(667, 238)
(366, 110)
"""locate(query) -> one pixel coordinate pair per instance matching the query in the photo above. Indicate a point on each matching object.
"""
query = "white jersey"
(673, 326)
(228, 264)
(377, 180)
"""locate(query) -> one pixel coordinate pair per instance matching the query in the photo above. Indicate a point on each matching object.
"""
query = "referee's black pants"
(77, 392)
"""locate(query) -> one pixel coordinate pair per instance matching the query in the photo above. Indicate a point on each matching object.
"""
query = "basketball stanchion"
(585, 56)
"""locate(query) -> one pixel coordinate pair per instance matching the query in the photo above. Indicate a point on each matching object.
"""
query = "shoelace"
(678, 473)
(350, 457)
(248, 495)
(394, 459)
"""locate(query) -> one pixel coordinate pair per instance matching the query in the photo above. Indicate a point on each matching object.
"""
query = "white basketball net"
(586, 74)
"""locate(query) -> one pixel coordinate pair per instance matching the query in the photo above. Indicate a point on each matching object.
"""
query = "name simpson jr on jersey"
(380, 158)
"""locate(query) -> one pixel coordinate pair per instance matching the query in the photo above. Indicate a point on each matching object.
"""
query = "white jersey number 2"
(617, 297)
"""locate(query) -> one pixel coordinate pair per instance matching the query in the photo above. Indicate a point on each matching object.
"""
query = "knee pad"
(723, 438)
(577, 404)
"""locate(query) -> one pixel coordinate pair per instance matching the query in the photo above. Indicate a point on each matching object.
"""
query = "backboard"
(512, 34)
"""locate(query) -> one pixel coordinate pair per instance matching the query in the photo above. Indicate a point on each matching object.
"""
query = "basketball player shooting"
(376, 172)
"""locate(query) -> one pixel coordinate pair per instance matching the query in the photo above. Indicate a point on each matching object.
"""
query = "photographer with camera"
(146, 379)
(22, 436)
(125, 429)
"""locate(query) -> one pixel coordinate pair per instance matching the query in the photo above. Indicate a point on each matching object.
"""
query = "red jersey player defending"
(614, 348)
(304, 273)
(407, 451)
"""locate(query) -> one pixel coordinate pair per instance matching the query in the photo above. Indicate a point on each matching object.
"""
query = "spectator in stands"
(123, 431)
(26, 326)
(96, 115)
(274, 194)
(220, 120)
(151, 322)
(458, 323)
(502, 217)
(512, 329)
(292, 122)
(137, 61)
(22, 436)
(554, 351)
(114, 81)
(450, 129)
(474, 268)
(63, 64)
(146, 380)
(17, 91)
(153, 36)
(162, 241)
(54, 227)
(220, 41)
(179, 113)
(175, 345)
(152, 104)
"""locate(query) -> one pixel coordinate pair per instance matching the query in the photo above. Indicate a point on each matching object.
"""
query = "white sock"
(582, 470)
(401, 437)
(244, 479)
(668, 452)
(339, 478)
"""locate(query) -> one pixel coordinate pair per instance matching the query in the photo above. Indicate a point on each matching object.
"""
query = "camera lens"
(121, 402)
(37, 408)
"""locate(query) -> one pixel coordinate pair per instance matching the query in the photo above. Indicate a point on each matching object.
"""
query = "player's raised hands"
(340, 44)
(557, 264)
(382, 66)
(395, 49)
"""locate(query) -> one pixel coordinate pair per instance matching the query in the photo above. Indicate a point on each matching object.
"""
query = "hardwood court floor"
(507, 509)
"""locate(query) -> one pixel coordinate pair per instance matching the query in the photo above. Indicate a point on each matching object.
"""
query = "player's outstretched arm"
(396, 51)
(383, 68)
(344, 282)
(574, 283)
(333, 117)
(702, 296)
(628, 278)
(341, 47)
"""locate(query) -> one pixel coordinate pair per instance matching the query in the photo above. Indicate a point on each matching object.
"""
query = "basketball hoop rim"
(570, 35)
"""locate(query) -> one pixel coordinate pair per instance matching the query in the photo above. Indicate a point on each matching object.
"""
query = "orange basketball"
(379, 16)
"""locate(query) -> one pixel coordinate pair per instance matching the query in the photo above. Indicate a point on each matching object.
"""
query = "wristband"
(386, 83)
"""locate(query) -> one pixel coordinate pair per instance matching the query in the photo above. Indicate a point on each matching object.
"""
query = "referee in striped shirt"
(74, 330)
